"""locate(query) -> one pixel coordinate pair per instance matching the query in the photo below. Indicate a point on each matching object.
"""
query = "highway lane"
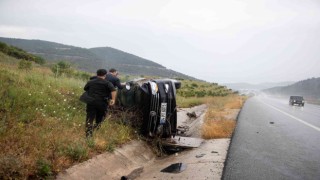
(275, 141)
(310, 112)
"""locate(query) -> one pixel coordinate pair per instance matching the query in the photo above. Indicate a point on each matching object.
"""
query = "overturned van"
(156, 99)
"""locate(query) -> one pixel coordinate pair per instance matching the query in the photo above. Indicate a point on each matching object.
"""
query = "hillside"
(92, 59)
(309, 88)
(260, 86)
(119, 57)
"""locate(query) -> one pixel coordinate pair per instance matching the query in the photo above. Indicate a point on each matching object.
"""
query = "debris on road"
(175, 168)
(200, 155)
(192, 115)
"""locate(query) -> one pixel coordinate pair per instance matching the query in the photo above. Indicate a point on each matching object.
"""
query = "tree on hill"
(61, 68)
(64, 68)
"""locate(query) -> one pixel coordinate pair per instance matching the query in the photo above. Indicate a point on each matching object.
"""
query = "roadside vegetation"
(220, 119)
(42, 122)
(194, 93)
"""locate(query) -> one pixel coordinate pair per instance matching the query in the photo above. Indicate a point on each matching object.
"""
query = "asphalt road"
(273, 140)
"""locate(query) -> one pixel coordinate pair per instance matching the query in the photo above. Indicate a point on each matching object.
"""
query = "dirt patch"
(136, 160)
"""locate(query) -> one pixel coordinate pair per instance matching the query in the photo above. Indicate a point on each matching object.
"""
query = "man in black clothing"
(100, 90)
(112, 77)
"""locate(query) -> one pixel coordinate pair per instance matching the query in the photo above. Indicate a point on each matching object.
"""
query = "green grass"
(42, 123)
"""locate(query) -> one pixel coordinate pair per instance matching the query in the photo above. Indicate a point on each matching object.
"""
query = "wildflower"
(45, 105)
(72, 93)
(41, 92)
(29, 94)
(74, 108)
(65, 100)
(54, 111)
(36, 109)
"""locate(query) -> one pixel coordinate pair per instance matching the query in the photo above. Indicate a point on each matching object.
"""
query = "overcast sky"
(215, 40)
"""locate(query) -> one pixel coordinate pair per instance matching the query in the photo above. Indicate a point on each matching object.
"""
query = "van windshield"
(296, 97)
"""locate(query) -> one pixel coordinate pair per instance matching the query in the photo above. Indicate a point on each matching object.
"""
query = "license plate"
(163, 113)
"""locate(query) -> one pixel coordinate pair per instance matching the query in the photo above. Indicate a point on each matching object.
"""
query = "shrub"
(77, 152)
(25, 65)
(43, 168)
(200, 93)
(110, 146)
(61, 68)
(194, 85)
(10, 167)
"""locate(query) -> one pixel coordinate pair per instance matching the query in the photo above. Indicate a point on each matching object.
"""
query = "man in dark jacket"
(100, 90)
(112, 77)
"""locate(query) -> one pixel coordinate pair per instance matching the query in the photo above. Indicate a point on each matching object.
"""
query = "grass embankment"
(220, 117)
(42, 123)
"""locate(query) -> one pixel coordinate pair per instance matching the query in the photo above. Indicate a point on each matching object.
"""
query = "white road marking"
(293, 117)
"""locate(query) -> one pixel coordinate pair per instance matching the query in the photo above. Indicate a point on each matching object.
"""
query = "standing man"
(100, 90)
(112, 76)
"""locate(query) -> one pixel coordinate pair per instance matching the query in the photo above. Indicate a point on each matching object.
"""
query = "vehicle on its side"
(156, 99)
(296, 100)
